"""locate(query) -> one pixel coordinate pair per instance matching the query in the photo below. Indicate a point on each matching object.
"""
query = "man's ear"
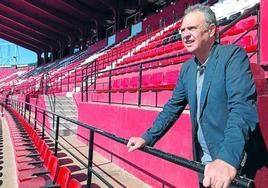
(212, 30)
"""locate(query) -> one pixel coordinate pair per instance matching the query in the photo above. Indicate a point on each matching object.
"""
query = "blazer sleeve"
(242, 113)
(170, 113)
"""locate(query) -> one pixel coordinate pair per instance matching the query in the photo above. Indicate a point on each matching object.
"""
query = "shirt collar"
(206, 62)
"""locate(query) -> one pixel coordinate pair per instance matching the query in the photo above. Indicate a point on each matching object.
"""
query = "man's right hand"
(135, 143)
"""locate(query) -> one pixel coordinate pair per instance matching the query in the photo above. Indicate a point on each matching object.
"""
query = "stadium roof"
(43, 25)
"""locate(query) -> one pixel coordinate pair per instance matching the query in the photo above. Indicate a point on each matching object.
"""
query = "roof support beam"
(49, 24)
(22, 28)
(75, 22)
(21, 21)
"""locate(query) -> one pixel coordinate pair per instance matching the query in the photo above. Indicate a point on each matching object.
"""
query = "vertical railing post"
(82, 89)
(29, 117)
(75, 80)
(19, 109)
(90, 158)
(57, 135)
(61, 82)
(43, 124)
(57, 84)
(68, 79)
(110, 87)
(24, 115)
(87, 88)
(53, 121)
(140, 85)
(95, 81)
(95, 75)
(35, 117)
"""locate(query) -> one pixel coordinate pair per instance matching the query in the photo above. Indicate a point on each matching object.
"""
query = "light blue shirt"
(199, 84)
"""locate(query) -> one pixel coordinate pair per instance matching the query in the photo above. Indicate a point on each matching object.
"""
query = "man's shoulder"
(228, 48)
(188, 63)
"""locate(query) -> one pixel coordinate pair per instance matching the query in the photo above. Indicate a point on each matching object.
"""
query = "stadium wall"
(97, 46)
(121, 35)
(264, 29)
(125, 121)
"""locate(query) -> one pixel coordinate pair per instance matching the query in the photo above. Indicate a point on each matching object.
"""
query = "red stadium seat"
(146, 82)
(177, 46)
(240, 27)
(247, 43)
(40, 180)
(170, 80)
(74, 184)
(134, 83)
(63, 177)
(116, 85)
(248, 23)
(124, 84)
(157, 79)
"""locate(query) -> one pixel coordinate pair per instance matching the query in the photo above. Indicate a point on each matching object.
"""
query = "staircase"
(63, 106)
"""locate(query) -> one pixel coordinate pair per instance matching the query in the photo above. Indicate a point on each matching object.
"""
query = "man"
(218, 86)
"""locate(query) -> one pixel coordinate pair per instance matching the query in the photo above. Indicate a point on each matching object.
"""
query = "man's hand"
(135, 143)
(218, 174)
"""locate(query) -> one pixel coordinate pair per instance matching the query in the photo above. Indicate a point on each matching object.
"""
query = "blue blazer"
(227, 106)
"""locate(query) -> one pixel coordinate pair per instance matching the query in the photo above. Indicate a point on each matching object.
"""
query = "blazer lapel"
(192, 89)
(209, 75)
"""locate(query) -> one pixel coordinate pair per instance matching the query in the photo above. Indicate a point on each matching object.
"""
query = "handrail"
(193, 165)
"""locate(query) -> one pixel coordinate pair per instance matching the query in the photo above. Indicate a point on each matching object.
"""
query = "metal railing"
(193, 165)
(110, 74)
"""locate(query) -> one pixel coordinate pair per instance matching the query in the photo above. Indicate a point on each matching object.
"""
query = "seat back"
(74, 184)
(44, 151)
(53, 167)
(157, 78)
(40, 146)
(63, 177)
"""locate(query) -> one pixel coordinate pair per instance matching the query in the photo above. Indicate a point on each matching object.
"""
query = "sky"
(10, 54)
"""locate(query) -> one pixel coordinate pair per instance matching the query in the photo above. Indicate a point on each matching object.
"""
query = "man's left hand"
(218, 174)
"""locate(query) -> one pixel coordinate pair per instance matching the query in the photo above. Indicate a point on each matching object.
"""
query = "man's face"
(195, 34)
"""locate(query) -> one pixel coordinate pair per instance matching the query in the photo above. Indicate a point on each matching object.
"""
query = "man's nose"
(186, 34)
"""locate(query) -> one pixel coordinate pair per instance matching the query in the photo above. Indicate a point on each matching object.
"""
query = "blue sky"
(24, 56)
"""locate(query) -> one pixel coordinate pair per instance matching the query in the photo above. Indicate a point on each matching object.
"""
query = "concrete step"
(65, 111)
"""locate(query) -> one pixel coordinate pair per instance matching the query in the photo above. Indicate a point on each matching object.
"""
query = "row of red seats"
(117, 52)
(36, 165)
(155, 81)
(152, 65)
(241, 27)
(154, 53)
